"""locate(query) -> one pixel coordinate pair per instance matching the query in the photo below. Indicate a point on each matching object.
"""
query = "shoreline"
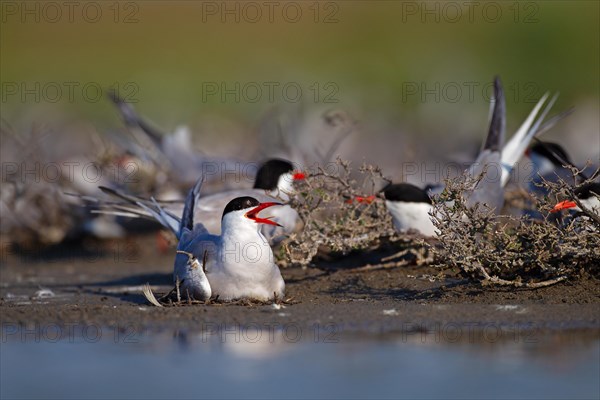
(403, 300)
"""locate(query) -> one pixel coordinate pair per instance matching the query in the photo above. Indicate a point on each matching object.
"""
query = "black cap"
(588, 190)
(551, 150)
(268, 174)
(406, 192)
(240, 203)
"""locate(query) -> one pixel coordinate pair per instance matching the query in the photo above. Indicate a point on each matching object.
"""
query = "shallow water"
(233, 362)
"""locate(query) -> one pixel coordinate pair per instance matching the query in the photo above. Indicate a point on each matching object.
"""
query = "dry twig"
(340, 212)
(506, 250)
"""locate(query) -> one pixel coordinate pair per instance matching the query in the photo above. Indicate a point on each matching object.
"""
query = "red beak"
(366, 200)
(299, 176)
(253, 214)
(362, 199)
(564, 205)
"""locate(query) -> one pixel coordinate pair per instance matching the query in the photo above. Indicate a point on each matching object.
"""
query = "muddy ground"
(100, 283)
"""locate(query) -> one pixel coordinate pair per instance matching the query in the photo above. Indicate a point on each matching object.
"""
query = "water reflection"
(245, 361)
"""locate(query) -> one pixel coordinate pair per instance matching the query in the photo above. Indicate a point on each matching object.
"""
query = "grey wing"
(165, 218)
(193, 197)
(488, 170)
(196, 242)
(203, 247)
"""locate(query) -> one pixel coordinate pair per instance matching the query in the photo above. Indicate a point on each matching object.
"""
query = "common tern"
(588, 196)
(237, 264)
(411, 207)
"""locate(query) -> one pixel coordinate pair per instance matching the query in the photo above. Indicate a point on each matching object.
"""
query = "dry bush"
(339, 212)
(516, 251)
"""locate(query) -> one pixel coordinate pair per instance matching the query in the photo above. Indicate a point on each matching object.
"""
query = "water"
(229, 363)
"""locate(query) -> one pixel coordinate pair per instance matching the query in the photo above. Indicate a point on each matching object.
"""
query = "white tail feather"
(147, 291)
(514, 149)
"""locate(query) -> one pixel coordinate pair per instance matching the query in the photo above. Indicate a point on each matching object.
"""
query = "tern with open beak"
(237, 264)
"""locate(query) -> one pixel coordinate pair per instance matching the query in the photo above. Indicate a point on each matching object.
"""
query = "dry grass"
(515, 251)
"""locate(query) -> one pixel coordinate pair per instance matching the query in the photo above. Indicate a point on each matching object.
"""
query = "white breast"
(592, 203)
(244, 266)
(409, 215)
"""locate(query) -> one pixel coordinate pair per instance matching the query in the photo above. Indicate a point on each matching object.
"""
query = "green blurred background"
(367, 55)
